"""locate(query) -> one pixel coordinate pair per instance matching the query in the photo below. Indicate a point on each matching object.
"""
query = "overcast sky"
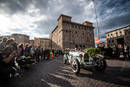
(37, 18)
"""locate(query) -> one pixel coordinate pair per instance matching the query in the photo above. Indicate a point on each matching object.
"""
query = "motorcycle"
(8, 71)
(25, 61)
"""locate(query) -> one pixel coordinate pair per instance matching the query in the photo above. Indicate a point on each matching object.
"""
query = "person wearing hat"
(3, 44)
(126, 51)
(6, 57)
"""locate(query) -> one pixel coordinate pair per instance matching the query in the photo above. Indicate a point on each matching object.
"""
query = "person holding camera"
(6, 58)
(3, 44)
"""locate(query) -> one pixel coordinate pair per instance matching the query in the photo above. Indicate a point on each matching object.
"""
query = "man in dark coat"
(126, 51)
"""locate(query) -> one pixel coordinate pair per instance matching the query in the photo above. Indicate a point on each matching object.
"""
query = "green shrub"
(92, 51)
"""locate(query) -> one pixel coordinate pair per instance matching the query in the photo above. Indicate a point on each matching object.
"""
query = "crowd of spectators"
(11, 51)
(36, 52)
(116, 51)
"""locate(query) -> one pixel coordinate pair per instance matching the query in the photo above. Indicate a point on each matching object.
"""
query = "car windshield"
(75, 50)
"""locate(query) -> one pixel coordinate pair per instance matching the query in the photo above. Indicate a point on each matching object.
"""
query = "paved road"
(54, 73)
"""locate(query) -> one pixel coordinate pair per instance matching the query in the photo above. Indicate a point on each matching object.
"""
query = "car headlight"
(80, 55)
(100, 56)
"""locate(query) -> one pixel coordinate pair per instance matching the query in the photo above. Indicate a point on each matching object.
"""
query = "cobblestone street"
(54, 73)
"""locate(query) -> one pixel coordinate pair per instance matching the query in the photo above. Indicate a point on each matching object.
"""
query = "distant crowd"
(14, 57)
(116, 51)
(36, 52)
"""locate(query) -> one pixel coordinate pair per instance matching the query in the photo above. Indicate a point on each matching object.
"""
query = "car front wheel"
(101, 65)
(75, 66)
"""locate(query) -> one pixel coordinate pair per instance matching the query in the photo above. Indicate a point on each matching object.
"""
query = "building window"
(76, 26)
(85, 28)
(109, 41)
(72, 26)
(80, 46)
(126, 31)
(81, 27)
(120, 32)
(129, 32)
(116, 33)
(76, 46)
(64, 24)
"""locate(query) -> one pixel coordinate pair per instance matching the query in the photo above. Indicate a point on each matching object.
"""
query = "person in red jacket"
(51, 54)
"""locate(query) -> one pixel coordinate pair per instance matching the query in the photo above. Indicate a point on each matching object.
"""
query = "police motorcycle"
(25, 61)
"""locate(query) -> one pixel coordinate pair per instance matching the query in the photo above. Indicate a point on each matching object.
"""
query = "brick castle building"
(68, 34)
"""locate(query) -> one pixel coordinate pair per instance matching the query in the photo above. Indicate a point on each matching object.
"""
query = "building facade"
(68, 34)
(31, 42)
(118, 36)
(20, 38)
(42, 42)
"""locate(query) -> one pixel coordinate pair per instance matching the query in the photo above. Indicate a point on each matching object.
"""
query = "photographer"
(6, 58)
(3, 44)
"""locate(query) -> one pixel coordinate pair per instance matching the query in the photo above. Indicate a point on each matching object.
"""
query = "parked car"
(78, 59)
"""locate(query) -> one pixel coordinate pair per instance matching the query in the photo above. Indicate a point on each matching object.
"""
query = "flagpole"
(98, 34)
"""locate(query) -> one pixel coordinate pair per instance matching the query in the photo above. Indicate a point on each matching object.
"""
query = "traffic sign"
(97, 41)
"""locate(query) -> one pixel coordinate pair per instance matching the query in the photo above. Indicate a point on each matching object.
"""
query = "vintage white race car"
(79, 59)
